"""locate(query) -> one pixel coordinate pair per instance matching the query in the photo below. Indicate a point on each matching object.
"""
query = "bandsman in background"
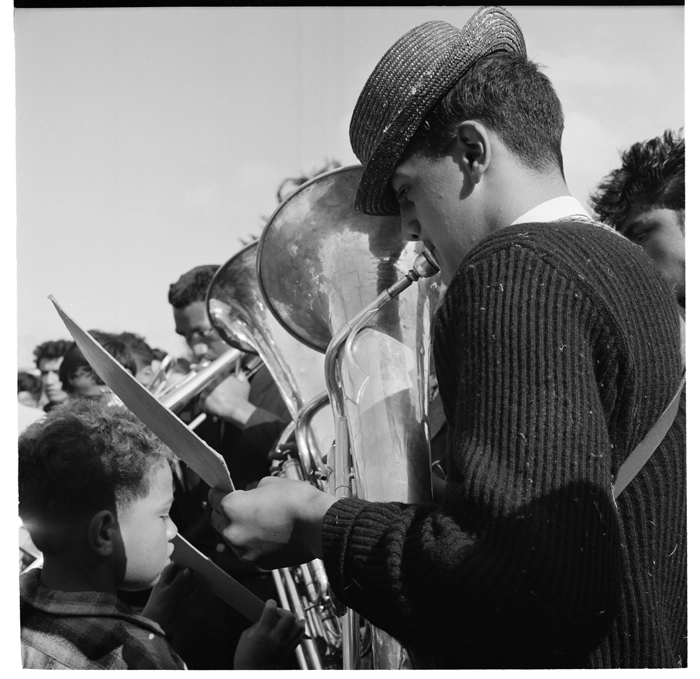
(644, 199)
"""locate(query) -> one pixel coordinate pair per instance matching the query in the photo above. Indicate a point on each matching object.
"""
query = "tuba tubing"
(304, 590)
(319, 261)
(238, 313)
(425, 266)
(309, 455)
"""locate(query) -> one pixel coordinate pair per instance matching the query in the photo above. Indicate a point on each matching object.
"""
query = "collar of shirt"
(556, 208)
(97, 604)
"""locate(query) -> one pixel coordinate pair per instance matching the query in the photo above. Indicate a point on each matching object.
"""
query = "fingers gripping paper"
(172, 431)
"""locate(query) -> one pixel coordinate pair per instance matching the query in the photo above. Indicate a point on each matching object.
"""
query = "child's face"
(147, 532)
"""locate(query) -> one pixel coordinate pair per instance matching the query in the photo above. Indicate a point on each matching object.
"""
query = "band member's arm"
(269, 418)
(255, 407)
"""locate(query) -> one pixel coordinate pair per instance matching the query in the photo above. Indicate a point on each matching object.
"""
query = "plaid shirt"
(87, 630)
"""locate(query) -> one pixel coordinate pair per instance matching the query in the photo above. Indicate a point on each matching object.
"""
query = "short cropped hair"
(192, 286)
(83, 457)
(51, 350)
(74, 363)
(509, 95)
(141, 350)
(652, 175)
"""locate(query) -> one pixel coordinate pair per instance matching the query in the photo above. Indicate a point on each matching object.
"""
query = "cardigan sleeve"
(519, 565)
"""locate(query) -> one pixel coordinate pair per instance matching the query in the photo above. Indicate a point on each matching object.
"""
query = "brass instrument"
(324, 269)
(237, 311)
(199, 379)
(159, 379)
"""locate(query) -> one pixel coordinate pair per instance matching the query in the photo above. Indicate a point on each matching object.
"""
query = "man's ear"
(474, 147)
(103, 531)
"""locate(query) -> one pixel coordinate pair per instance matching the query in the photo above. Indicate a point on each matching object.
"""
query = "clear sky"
(153, 140)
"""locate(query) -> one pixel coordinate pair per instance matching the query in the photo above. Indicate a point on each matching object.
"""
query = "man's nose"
(51, 378)
(410, 228)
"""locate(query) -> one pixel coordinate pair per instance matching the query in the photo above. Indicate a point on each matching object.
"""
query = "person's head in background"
(47, 358)
(81, 381)
(28, 389)
(644, 199)
(187, 296)
(144, 356)
(95, 489)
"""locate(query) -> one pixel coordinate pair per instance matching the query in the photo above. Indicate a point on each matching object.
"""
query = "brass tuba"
(324, 269)
(238, 312)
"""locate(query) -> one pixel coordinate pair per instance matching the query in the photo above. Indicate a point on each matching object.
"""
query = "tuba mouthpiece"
(425, 265)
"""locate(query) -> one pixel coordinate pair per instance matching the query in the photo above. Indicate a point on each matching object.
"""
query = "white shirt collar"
(556, 208)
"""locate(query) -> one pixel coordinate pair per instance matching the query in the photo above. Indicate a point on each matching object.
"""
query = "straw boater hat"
(408, 82)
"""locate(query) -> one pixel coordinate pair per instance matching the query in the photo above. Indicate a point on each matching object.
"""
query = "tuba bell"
(238, 312)
(324, 270)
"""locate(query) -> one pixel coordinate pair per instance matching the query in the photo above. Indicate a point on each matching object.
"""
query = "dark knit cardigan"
(557, 348)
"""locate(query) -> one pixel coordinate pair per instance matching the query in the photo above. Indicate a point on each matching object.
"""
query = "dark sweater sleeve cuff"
(336, 529)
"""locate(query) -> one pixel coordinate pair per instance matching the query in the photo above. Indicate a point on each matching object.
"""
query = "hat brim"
(490, 30)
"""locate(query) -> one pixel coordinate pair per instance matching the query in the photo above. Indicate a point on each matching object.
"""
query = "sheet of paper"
(194, 452)
(218, 581)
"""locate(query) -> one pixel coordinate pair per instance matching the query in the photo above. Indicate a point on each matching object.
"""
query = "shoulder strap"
(638, 457)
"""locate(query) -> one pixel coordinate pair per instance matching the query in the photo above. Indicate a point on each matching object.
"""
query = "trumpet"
(201, 377)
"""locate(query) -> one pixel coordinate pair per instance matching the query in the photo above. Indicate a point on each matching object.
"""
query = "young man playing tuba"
(557, 348)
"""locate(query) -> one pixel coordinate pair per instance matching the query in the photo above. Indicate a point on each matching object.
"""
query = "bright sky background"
(152, 140)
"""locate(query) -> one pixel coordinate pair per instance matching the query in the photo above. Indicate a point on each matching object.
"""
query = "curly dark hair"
(74, 363)
(82, 458)
(192, 286)
(159, 354)
(510, 95)
(141, 350)
(652, 175)
(52, 350)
